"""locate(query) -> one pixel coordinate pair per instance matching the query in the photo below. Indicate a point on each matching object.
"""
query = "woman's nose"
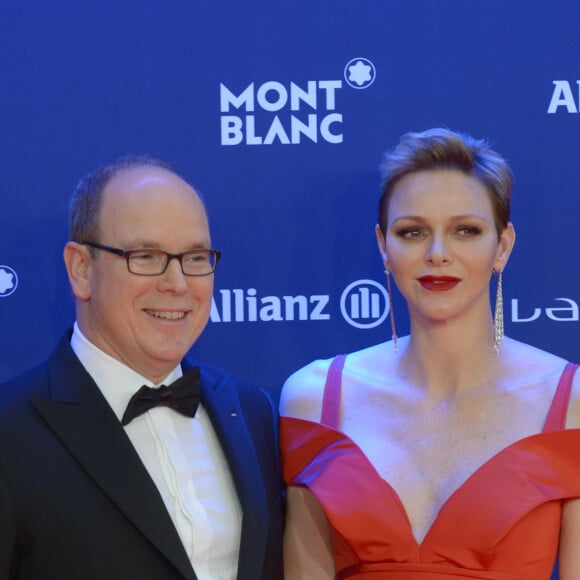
(438, 253)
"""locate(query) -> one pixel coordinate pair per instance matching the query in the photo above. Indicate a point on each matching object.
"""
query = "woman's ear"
(507, 239)
(381, 242)
(78, 261)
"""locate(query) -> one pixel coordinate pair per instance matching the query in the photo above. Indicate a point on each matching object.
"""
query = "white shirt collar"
(115, 380)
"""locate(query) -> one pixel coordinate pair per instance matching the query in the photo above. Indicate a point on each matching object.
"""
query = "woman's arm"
(307, 539)
(569, 564)
(570, 541)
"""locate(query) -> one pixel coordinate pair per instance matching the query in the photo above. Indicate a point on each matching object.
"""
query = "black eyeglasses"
(145, 262)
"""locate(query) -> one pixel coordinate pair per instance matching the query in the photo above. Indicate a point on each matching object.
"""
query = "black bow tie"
(181, 396)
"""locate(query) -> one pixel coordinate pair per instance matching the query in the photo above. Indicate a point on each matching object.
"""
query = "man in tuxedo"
(109, 470)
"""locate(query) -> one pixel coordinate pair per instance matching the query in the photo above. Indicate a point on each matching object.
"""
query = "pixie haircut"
(85, 201)
(446, 149)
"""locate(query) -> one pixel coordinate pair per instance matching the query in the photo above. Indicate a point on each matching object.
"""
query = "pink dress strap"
(556, 418)
(332, 388)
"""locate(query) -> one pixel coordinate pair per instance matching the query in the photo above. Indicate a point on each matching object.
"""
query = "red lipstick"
(439, 283)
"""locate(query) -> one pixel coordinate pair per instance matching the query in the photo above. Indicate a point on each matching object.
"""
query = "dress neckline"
(488, 472)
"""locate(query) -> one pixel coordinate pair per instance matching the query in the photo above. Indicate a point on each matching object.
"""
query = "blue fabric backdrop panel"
(279, 113)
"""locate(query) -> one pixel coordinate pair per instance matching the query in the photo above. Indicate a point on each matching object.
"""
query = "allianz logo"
(564, 98)
(363, 304)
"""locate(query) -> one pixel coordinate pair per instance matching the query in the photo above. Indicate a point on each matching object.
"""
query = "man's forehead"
(142, 175)
(148, 182)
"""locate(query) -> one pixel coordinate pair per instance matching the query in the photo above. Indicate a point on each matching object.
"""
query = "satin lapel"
(85, 424)
(223, 406)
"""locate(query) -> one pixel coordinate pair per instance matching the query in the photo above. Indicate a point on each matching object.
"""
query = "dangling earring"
(392, 314)
(498, 315)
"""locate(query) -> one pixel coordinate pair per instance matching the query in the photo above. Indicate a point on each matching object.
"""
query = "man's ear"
(78, 261)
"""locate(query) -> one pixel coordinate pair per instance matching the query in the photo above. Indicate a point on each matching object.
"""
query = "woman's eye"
(411, 233)
(468, 230)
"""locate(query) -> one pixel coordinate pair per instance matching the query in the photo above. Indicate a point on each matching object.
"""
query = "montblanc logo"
(563, 99)
(363, 304)
(8, 281)
(360, 73)
(289, 113)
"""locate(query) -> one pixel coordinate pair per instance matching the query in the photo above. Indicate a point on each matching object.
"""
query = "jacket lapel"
(85, 424)
(223, 406)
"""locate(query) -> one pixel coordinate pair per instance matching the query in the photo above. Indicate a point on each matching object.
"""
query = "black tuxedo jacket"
(76, 502)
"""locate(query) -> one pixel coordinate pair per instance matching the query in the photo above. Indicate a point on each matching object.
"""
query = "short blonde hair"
(445, 149)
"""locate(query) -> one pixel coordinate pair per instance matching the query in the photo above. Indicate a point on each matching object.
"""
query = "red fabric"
(502, 523)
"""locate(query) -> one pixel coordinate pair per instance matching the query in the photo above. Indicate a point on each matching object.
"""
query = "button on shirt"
(185, 460)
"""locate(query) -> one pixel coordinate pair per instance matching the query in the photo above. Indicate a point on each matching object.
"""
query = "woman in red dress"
(452, 452)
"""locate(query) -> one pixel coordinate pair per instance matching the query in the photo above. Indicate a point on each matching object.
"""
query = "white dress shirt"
(185, 460)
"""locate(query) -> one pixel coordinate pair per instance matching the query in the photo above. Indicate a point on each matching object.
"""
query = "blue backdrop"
(279, 113)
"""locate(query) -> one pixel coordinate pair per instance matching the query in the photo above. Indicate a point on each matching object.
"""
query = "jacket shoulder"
(219, 376)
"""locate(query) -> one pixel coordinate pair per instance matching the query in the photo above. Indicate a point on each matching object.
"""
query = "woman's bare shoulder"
(302, 392)
(573, 420)
(537, 365)
(525, 358)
